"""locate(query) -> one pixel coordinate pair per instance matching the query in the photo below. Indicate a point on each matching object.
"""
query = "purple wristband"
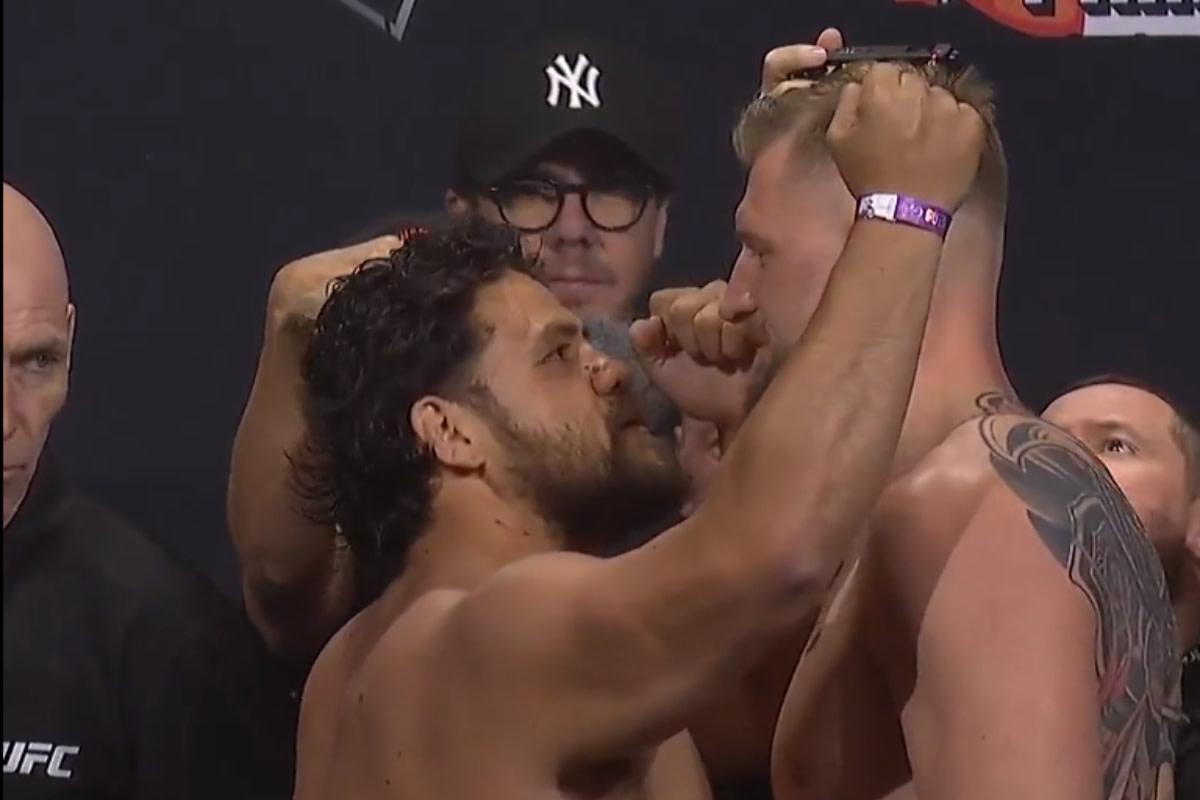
(905, 210)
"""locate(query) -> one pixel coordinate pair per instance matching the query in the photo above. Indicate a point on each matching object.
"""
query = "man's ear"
(70, 332)
(660, 227)
(448, 432)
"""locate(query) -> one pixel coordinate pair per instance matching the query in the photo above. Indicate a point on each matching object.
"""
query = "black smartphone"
(938, 53)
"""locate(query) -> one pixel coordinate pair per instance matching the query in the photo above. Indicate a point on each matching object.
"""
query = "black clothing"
(529, 98)
(126, 675)
(1187, 760)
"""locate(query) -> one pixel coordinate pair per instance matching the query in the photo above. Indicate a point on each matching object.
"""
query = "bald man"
(39, 326)
(125, 674)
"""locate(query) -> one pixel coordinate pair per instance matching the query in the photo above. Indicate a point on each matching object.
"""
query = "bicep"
(1007, 693)
(613, 653)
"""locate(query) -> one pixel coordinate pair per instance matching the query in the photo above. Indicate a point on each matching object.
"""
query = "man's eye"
(41, 361)
(1116, 445)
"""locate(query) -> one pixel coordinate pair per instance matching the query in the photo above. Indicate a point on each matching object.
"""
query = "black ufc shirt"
(126, 675)
(1187, 762)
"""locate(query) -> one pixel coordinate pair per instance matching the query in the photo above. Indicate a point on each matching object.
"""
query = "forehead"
(777, 189)
(517, 309)
(1135, 408)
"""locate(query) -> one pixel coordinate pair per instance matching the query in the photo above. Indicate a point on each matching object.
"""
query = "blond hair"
(804, 112)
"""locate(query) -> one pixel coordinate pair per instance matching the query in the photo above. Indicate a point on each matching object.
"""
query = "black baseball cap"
(529, 99)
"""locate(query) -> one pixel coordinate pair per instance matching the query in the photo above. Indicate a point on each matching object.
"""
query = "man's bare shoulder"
(380, 640)
(1050, 496)
(922, 514)
(485, 617)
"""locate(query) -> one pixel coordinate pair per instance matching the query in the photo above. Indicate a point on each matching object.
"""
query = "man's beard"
(591, 497)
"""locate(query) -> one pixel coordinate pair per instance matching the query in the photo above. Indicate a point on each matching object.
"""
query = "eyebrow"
(558, 332)
(748, 237)
(1112, 426)
(55, 344)
(753, 241)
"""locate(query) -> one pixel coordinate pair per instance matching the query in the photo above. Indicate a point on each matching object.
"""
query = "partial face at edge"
(39, 326)
(1130, 430)
(555, 424)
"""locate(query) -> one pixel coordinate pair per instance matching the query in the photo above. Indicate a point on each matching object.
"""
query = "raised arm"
(297, 584)
(1047, 661)
(611, 655)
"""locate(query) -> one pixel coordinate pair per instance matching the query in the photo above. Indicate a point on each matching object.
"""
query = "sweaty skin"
(39, 325)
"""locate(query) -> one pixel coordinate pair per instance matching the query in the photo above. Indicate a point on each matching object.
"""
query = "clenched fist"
(300, 289)
(698, 345)
(894, 133)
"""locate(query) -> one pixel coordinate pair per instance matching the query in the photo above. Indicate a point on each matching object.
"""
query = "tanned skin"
(497, 668)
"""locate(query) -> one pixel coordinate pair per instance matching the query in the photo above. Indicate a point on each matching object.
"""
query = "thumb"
(650, 341)
(736, 306)
(846, 113)
(741, 310)
(831, 39)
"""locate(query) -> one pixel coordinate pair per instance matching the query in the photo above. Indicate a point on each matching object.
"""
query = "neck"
(475, 533)
(960, 357)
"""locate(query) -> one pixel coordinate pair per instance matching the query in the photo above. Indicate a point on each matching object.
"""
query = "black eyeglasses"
(533, 205)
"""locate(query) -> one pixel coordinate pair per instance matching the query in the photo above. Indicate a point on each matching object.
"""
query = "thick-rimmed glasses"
(533, 205)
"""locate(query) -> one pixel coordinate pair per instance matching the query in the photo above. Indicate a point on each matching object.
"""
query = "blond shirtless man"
(1004, 628)
(473, 450)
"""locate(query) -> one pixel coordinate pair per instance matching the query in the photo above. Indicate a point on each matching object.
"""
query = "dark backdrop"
(185, 150)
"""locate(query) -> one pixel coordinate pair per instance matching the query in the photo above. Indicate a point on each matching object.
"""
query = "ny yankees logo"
(578, 80)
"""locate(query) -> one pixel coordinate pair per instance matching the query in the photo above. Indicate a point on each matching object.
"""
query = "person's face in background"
(1135, 434)
(699, 447)
(597, 252)
(39, 325)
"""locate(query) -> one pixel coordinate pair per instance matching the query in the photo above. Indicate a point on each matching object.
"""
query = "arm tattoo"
(1085, 521)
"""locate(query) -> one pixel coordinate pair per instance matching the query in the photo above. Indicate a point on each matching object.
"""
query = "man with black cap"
(570, 143)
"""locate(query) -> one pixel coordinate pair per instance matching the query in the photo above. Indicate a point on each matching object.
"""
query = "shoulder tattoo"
(1085, 521)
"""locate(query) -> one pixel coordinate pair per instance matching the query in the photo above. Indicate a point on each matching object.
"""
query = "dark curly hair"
(392, 331)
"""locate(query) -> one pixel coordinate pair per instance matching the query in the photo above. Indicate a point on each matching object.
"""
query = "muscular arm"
(1047, 663)
(611, 655)
(297, 585)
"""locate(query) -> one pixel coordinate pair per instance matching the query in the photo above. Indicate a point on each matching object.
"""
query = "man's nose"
(609, 375)
(572, 225)
(743, 279)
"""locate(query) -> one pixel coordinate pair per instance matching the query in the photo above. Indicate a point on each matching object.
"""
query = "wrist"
(904, 210)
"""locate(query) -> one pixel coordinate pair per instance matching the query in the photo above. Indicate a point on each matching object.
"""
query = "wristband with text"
(905, 210)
